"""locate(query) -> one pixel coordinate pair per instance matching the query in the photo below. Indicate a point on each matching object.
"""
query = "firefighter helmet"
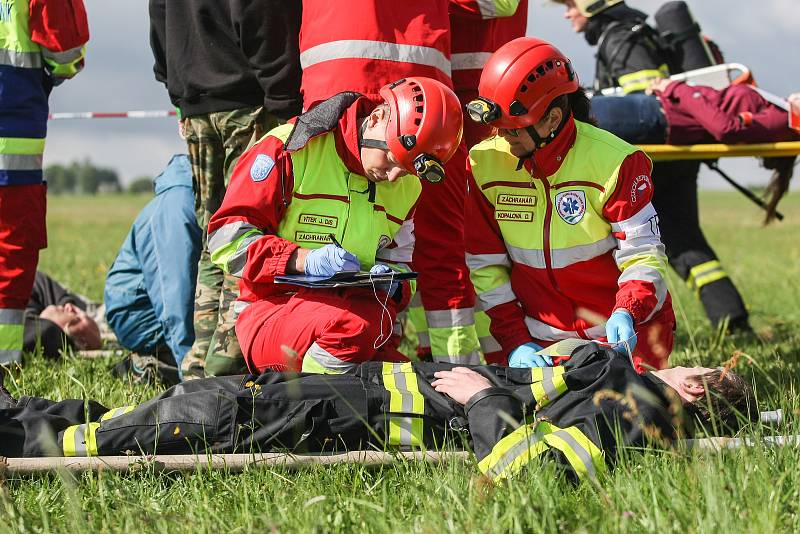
(425, 125)
(520, 81)
(589, 8)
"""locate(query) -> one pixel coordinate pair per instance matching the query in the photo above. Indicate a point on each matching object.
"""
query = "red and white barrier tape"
(154, 114)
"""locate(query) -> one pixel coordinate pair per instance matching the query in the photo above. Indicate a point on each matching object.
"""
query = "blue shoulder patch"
(261, 167)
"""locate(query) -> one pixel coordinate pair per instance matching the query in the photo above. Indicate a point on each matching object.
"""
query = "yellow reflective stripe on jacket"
(497, 8)
(705, 273)
(65, 64)
(581, 453)
(80, 440)
(641, 79)
(513, 452)
(22, 146)
(547, 384)
(517, 449)
(229, 244)
(400, 381)
(116, 412)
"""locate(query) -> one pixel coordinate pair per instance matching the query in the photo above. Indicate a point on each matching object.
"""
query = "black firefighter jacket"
(578, 414)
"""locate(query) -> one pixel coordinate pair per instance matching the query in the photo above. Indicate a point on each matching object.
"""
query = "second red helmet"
(425, 125)
(520, 81)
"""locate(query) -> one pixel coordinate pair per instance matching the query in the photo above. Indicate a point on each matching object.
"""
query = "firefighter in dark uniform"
(631, 56)
(579, 413)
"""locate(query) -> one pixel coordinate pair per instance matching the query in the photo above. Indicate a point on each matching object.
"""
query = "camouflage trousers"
(215, 142)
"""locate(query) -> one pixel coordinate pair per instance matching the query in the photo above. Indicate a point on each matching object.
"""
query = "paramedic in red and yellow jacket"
(562, 235)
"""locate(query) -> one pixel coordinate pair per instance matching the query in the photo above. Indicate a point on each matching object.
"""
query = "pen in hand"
(335, 241)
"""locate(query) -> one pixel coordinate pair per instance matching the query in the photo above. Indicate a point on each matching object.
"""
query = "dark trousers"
(688, 250)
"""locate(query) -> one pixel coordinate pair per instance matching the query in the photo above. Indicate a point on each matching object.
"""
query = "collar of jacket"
(346, 134)
(549, 158)
(177, 173)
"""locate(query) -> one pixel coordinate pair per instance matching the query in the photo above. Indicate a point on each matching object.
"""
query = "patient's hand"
(659, 85)
(460, 383)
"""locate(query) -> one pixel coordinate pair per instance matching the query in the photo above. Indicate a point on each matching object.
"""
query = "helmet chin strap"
(541, 142)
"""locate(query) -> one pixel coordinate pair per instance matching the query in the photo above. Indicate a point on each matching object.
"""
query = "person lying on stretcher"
(676, 113)
(578, 414)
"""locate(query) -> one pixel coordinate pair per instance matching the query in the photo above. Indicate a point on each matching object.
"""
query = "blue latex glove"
(620, 328)
(329, 260)
(380, 268)
(525, 356)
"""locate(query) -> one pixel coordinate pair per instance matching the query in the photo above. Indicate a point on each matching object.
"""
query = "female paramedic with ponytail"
(333, 190)
(563, 241)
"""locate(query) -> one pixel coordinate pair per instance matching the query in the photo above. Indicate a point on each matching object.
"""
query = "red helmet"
(520, 81)
(425, 125)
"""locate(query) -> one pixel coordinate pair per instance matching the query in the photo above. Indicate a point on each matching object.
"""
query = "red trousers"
(348, 325)
(22, 234)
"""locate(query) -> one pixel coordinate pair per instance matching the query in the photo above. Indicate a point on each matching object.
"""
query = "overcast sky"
(764, 35)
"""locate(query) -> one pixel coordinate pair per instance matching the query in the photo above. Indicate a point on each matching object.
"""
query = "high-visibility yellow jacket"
(554, 247)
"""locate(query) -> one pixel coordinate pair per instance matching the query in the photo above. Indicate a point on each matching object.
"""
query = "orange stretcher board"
(714, 151)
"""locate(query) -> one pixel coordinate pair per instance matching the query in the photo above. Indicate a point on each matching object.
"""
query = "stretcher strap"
(400, 381)
(714, 151)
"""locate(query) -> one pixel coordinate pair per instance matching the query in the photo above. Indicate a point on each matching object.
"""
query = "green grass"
(751, 490)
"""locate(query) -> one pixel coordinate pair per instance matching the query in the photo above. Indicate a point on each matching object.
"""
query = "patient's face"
(81, 328)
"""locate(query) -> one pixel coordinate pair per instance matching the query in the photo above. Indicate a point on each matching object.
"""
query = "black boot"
(6, 400)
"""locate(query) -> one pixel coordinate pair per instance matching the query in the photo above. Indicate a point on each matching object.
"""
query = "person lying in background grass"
(56, 319)
(579, 414)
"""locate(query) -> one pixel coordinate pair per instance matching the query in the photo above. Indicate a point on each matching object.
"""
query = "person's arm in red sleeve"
(242, 233)
(487, 9)
(640, 254)
(490, 272)
(61, 28)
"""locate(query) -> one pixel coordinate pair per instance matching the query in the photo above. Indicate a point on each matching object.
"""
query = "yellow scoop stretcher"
(714, 151)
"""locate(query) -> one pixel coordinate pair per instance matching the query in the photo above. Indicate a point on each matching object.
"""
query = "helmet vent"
(417, 121)
(418, 98)
(540, 70)
(523, 88)
(419, 109)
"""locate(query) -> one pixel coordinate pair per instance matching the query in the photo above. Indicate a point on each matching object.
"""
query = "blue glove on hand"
(620, 328)
(380, 268)
(525, 356)
(329, 260)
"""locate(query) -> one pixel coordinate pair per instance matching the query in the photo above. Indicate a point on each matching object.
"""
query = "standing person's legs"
(689, 253)
(320, 330)
(444, 285)
(237, 128)
(22, 234)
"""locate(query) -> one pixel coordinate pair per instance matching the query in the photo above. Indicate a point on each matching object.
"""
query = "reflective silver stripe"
(563, 257)
(646, 273)
(406, 406)
(416, 300)
(404, 240)
(489, 344)
(10, 356)
(548, 385)
(469, 60)
(532, 257)
(80, 440)
(12, 316)
(228, 234)
(579, 450)
(471, 358)
(545, 332)
(450, 318)
(479, 261)
(20, 162)
(26, 60)
(67, 56)
(237, 262)
(639, 218)
(488, 9)
(495, 297)
(424, 340)
(516, 450)
(328, 360)
(363, 49)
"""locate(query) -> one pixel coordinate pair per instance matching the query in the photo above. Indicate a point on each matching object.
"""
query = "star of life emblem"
(571, 206)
